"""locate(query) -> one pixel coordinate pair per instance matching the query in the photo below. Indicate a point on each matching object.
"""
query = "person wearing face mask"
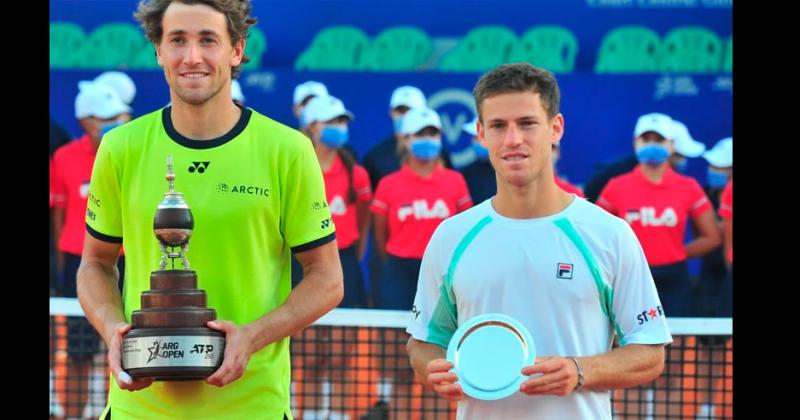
(121, 83)
(720, 165)
(409, 205)
(347, 188)
(713, 269)
(384, 158)
(98, 109)
(657, 202)
(479, 174)
(348, 195)
(712, 293)
(685, 147)
(303, 93)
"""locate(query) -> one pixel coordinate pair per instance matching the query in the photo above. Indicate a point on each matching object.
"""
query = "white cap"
(236, 91)
(660, 123)
(418, 118)
(309, 88)
(121, 82)
(98, 100)
(684, 143)
(409, 96)
(325, 108)
(721, 155)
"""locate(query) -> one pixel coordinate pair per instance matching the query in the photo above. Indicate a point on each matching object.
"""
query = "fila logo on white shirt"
(647, 217)
(337, 206)
(564, 271)
(420, 210)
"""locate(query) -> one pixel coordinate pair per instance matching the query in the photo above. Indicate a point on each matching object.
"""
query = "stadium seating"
(629, 49)
(691, 49)
(65, 39)
(334, 48)
(255, 47)
(481, 49)
(552, 47)
(398, 48)
(111, 46)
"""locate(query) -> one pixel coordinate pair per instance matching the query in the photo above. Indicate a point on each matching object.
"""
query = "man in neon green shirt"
(254, 187)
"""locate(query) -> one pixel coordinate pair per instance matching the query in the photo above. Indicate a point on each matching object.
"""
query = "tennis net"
(352, 364)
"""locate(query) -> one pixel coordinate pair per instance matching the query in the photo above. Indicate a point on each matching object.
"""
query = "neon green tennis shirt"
(257, 195)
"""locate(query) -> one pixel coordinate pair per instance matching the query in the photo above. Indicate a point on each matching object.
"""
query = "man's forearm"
(421, 353)
(99, 296)
(623, 367)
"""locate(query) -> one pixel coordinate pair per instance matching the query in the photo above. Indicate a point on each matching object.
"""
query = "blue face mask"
(301, 119)
(398, 123)
(481, 152)
(426, 148)
(652, 154)
(717, 179)
(681, 166)
(334, 136)
(105, 128)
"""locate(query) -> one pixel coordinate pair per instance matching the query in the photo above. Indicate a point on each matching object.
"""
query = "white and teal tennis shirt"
(574, 279)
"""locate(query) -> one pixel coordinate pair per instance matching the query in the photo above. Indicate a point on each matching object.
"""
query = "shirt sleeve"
(638, 315)
(434, 315)
(726, 202)
(698, 200)
(104, 206)
(306, 219)
(58, 193)
(380, 204)
(607, 198)
(464, 200)
(361, 184)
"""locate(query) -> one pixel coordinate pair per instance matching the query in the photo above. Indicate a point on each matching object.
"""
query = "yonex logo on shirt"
(338, 207)
(420, 210)
(199, 167)
(646, 216)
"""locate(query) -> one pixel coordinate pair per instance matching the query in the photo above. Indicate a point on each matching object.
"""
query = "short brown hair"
(150, 14)
(519, 77)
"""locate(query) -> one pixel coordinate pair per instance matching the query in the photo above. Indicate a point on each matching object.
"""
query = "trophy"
(169, 339)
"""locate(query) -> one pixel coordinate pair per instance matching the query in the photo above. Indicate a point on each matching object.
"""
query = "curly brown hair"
(150, 14)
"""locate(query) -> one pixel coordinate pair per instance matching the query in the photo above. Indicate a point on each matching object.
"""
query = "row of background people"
(385, 158)
(410, 167)
(101, 105)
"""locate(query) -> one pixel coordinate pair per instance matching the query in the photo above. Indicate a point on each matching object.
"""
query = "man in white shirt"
(573, 274)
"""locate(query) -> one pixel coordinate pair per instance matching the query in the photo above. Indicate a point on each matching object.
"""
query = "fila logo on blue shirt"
(564, 271)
